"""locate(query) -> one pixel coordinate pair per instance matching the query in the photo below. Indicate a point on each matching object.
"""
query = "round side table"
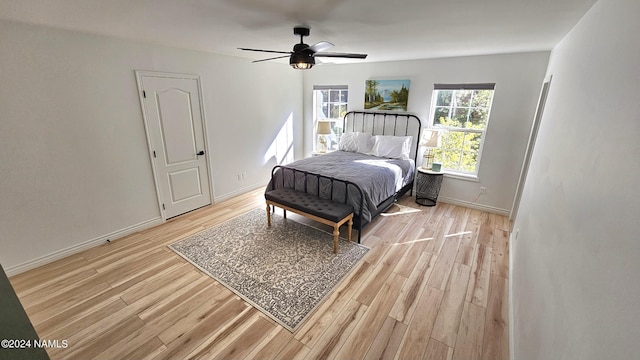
(428, 184)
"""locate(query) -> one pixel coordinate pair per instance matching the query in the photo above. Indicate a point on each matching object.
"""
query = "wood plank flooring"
(433, 286)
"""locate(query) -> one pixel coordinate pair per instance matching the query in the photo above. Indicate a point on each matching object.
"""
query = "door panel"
(185, 184)
(173, 117)
(176, 121)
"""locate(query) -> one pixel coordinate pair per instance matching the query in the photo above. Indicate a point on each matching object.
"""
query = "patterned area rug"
(285, 270)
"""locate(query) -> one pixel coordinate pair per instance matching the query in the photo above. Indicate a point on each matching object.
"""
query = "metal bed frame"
(381, 123)
(384, 123)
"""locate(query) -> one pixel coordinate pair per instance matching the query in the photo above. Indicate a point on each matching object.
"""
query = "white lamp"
(323, 128)
(430, 139)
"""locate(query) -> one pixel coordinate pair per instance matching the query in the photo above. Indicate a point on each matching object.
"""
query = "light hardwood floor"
(433, 286)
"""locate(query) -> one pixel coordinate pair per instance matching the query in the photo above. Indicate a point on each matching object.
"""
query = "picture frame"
(386, 94)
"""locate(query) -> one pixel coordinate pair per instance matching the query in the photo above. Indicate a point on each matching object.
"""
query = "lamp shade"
(324, 128)
(430, 138)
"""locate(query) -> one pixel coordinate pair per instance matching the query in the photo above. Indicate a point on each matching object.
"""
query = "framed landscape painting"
(386, 94)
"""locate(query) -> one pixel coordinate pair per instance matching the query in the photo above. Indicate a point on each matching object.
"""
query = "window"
(462, 112)
(330, 104)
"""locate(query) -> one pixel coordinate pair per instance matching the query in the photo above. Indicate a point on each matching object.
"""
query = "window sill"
(466, 177)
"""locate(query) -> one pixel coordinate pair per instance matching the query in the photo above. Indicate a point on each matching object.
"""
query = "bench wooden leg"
(336, 234)
(349, 227)
(284, 212)
(268, 215)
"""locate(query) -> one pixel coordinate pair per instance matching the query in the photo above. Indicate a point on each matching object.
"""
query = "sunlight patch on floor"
(458, 234)
(412, 241)
(403, 210)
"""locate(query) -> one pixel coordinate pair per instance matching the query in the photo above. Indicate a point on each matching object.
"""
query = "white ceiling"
(386, 30)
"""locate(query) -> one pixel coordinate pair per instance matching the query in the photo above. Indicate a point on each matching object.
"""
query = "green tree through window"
(463, 114)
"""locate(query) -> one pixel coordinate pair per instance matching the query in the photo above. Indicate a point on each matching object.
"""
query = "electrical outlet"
(483, 190)
(239, 177)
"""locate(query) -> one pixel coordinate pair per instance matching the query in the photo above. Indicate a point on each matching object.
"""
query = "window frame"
(337, 122)
(432, 113)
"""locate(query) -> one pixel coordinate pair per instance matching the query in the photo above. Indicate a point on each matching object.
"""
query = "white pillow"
(394, 147)
(365, 142)
(348, 142)
(356, 142)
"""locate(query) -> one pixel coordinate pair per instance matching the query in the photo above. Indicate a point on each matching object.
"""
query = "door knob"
(201, 152)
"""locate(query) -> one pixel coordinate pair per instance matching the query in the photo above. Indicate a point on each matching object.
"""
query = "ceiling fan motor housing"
(301, 58)
(299, 47)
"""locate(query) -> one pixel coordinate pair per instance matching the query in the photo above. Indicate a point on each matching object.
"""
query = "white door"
(175, 129)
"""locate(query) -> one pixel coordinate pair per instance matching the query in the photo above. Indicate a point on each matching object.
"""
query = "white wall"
(73, 152)
(518, 79)
(575, 263)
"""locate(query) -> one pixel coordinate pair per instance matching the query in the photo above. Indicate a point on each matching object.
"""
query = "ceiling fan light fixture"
(303, 56)
(302, 66)
(301, 61)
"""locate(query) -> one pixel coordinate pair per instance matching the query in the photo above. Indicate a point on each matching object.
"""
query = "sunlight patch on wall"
(281, 149)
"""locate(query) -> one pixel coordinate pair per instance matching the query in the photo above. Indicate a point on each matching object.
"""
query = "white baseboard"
(238, 192)
(56, 255)
(476, 206)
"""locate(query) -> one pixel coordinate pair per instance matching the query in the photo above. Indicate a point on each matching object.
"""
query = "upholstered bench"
(326, 211)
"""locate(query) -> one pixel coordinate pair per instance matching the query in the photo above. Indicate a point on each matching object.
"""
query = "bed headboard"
(385, 123)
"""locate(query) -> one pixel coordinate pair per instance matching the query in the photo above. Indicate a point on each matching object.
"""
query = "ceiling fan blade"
(321, 46)
(273, 58)
(341, 55)
(269, 51)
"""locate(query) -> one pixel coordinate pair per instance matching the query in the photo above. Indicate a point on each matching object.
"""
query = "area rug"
(285, 270)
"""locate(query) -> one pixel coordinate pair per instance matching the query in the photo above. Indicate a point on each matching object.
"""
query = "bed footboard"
(321, 187)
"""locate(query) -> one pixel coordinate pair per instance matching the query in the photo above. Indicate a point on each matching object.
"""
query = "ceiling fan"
(303, 56)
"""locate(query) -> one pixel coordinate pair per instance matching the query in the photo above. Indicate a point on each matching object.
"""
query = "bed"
(377, 153)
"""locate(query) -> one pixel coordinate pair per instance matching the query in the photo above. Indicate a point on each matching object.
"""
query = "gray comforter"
(379, 178)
